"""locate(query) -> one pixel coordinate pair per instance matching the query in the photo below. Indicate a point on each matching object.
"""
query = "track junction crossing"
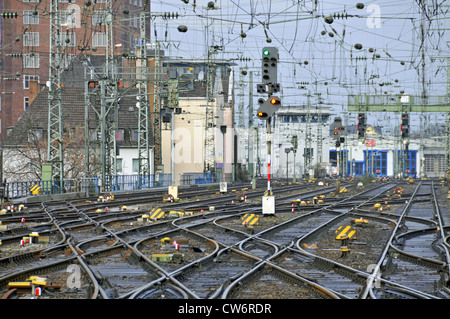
(388, 239)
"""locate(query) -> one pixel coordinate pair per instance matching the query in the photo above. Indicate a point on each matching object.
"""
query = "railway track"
(399, 250)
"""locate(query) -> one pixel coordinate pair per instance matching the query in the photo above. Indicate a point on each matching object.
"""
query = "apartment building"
(24, 56)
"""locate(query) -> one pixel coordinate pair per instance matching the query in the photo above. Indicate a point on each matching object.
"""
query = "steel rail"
(331, 293)
(443, 236)
(246, 277)
(409, 256)
(339, 214)
(376, 272)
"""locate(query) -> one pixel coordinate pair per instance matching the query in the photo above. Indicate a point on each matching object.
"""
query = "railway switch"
(347, 232)
(360, 222)
(168, 198)
(165, 241)
(178, 258)
(156, 213)
(250, 220)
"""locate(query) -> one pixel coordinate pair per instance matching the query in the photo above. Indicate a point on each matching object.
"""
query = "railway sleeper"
(291, 278)
(420, 261)
(22, 276)
(323, 264)
(330, 266)
(387, 266)
(23, 258)
(148, 267)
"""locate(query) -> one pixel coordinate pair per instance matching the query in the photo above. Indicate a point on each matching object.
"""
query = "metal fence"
(137, 182)
(93, 185)
(24, 189)
(198, 178)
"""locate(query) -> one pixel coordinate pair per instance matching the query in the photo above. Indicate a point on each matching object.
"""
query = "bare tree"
(23, 162)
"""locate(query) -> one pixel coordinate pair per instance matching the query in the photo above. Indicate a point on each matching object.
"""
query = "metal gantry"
(109, 105)
(308, 138)
(447, 120)
(156, 110)
(55, 154)
(91, 124)
(209, 150)
(101, 122)
(144, 128)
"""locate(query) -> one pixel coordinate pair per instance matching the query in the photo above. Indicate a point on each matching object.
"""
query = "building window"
(31, 39)
(376, 162)
(119, 135)
(70, 37)
(67, 60)
(26, 102)
(119, 164)
(30, 17)
(27, 79)
(135, 165)
(289, 118)
(99, 17)
(99, 39)
(31, 61)
(35, 135)
(30, 0)
(434, 163)
(134, 135)
(66, 18)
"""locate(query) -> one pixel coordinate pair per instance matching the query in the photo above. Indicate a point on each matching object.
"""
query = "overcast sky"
(314, 51)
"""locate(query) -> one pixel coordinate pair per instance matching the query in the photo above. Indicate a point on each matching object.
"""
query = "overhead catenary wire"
(297, 44)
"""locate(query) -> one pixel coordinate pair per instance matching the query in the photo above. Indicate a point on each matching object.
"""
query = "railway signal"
(404, 127)
(92, 84)
(361, 126)
(338, 128)
(261, 88)
(269, 65)
(268, 107)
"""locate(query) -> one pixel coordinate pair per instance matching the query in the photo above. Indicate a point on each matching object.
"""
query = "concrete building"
(312, 128)
(189, 122)
(317, 155)
(382, 155)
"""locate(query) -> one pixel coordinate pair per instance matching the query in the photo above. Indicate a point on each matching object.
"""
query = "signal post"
(265, 112)
(338, 132)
